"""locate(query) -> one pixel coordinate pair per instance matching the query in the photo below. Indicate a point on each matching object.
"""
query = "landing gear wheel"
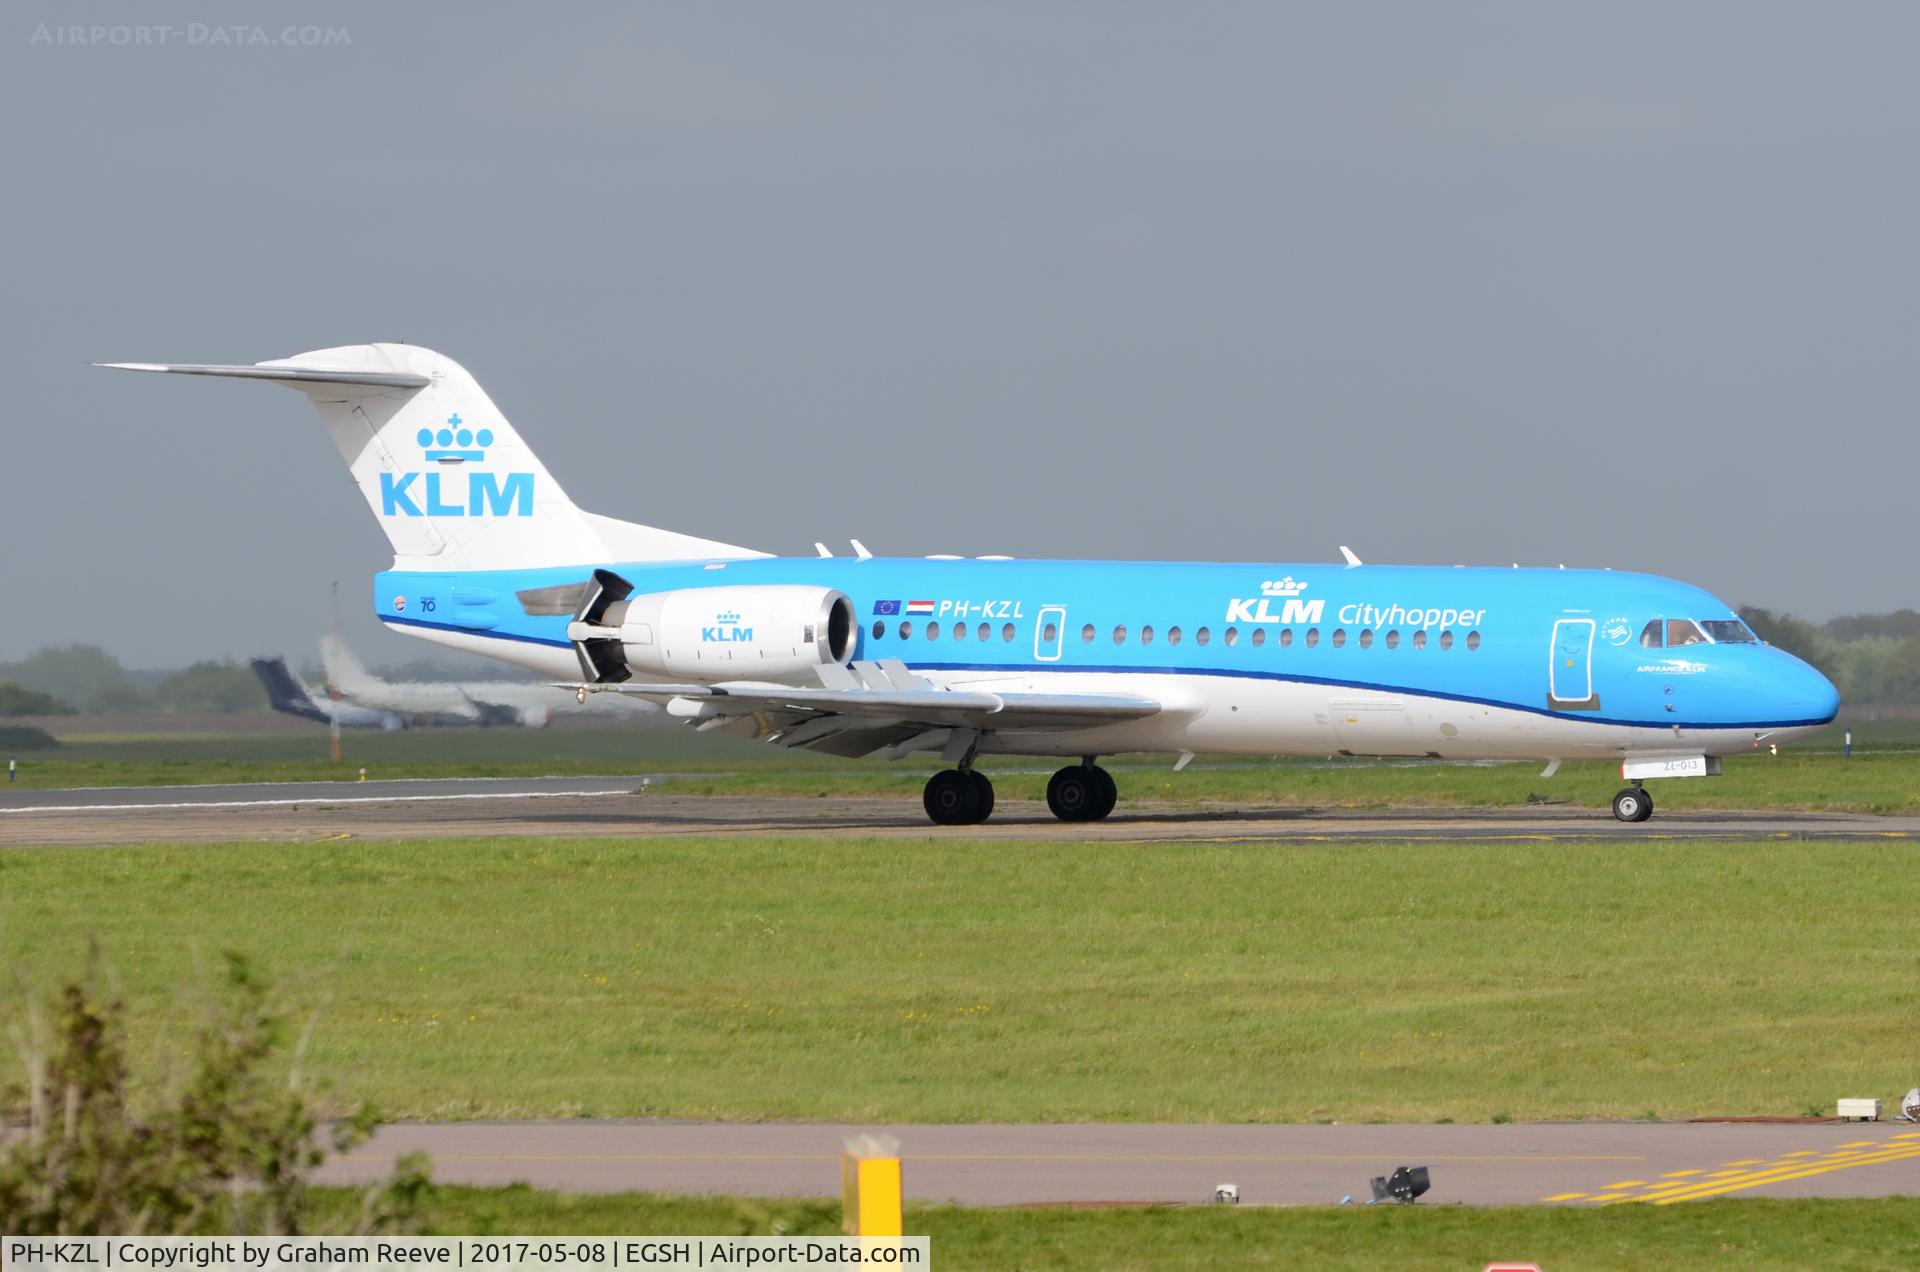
(1633, 804)
(1081, 792)
(1107, 794)
(982, 797)
(956, 798)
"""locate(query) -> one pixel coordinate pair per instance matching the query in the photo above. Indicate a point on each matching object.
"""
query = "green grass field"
(1883, 776)
(943, 979)
(1718, 1234)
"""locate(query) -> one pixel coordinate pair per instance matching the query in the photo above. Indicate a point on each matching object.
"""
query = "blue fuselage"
(1588, 647)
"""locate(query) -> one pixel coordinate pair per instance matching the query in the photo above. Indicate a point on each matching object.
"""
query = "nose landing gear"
(1633, 804)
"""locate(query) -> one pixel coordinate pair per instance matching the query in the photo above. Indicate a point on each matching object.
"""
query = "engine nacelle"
(776, 632)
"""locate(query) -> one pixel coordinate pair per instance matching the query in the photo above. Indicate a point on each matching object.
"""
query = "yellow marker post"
(870, 1187)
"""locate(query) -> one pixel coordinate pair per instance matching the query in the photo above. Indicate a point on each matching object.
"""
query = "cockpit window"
(1684, 631)
(1729, 631)
(1653, 635)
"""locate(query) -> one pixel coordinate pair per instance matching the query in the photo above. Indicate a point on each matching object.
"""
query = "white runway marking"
(287, 803)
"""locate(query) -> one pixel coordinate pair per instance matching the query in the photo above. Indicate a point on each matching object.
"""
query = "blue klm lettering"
(488, 494)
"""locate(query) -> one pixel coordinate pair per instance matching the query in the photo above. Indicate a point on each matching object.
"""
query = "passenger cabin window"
(1652, 635)
(1201, 636)
(879, 628)
(1006, 633)
(1231, 636)
(1313, 637)
(1146, 635)
(1173, 635)
(1285, 637)
(1259, 637)
(1366, 638)
(1729, 631)
(1393, 640)
(1420, 639)
(1339, 638)
(1446, 640)
(1473, 640)
(1684, 631)
(959, 631)
(1048, 634)
(985, 632)
(1120, 634)
(906, 631)
(933, 631)
(1086, 634)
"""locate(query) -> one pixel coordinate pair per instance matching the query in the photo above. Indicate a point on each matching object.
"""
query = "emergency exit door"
(1049, 633)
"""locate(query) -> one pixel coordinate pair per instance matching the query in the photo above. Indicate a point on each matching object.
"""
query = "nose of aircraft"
(1803, 695)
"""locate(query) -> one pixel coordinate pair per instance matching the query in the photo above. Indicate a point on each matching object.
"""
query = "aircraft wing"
(877, 705)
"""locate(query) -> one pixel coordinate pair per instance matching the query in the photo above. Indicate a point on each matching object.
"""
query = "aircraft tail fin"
(285, 693)
(448, 478)
(345, 673)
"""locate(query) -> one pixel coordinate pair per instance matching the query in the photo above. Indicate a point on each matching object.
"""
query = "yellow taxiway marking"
(1862, 1144)
(1785, 1168)
(1679, 1174)
(1609, 1197)
(1626, 1183)
(1564, 1197)
(1745, 1161)
(1801, 1152)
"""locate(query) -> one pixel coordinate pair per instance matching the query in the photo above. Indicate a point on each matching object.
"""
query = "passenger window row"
(1282, 639)
(932, 631)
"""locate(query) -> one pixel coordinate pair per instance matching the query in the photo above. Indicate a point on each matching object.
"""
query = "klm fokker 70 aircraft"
(857, 656)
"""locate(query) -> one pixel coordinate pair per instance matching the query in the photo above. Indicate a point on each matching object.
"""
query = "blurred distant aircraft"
(288, 694)
(490, 702)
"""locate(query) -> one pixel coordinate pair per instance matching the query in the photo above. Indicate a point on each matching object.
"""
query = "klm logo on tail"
(430, 494)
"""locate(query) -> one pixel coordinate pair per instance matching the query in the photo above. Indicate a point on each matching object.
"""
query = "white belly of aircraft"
(1228, 715)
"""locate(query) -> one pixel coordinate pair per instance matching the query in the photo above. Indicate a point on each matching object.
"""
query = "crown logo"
(726, 618)
(454, 443)
(1282, 587)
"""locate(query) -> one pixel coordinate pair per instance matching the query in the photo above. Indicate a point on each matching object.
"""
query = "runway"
(1561, 1163)
(645, 806)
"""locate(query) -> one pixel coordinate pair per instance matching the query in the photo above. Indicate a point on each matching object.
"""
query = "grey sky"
(1603, 285)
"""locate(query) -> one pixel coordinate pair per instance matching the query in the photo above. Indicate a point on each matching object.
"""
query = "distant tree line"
(1873, 658)
(88, 678)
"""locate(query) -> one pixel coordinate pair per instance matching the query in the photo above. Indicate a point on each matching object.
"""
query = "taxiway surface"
(1554, 1163)
(602, 806)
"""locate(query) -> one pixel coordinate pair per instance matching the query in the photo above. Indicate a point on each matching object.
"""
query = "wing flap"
(948, 708)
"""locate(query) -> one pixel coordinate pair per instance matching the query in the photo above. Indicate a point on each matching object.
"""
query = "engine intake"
(774, 632)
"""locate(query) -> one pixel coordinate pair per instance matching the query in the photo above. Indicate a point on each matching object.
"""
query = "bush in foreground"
(230, 1150)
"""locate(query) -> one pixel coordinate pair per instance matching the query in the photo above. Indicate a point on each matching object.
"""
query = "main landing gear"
(1082, 792)
(962, 797)
(958, 797)
(1633, 804)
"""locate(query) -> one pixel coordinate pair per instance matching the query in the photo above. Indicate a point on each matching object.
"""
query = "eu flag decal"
(886, 607)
